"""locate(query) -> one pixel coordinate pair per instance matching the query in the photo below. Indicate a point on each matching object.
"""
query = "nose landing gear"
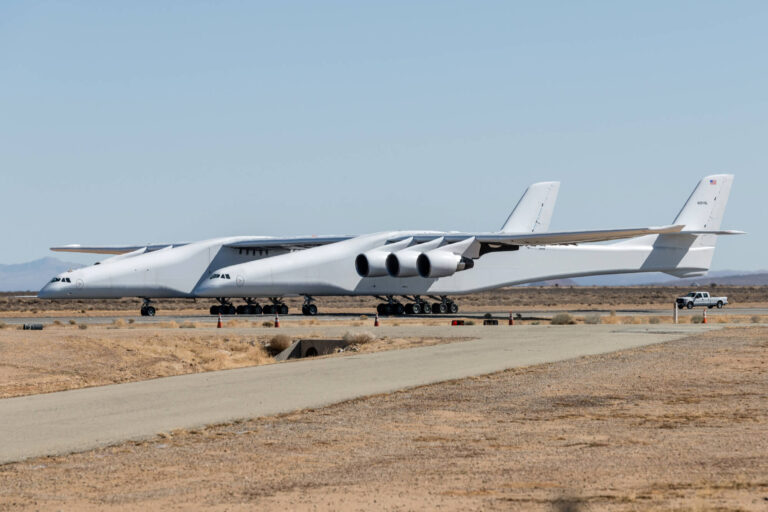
(308, 308)
(146, 309)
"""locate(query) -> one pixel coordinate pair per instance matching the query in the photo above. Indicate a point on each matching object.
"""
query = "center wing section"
(289, 243)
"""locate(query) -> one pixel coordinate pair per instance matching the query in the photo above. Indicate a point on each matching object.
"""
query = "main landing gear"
(277, 307)
(251, 307)
(146, 309)
(417, 306)
(308, 308)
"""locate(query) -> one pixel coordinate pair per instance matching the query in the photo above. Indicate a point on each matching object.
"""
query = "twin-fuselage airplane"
(415, 265)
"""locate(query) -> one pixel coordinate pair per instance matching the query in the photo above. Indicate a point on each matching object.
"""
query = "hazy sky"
(129, 122)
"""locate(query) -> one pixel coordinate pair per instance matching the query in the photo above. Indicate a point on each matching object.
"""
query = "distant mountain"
(33, 275)
(721, 277)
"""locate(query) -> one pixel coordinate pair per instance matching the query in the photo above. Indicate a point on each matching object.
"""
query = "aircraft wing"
(111, 249)
(501, 241)
(299, 242)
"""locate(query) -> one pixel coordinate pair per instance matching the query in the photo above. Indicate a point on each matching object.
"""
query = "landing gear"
(444, 306)
(250, 308)
(146, 309)
(224, 308)
(308, 308)
(277, 307)
(418, 306)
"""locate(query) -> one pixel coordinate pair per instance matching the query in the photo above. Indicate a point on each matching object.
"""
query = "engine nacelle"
(372, 263)
(403, 263)
(441, 263)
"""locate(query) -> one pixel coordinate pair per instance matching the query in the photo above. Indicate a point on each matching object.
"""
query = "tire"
(415, 308)
(256, 309)
(443, 308)
(435, 308)
(214, 310)
(240, 310)
(426, 309)
(283, 309)
(453, 308)
(381, 309)
(719, 304)
(248, 309)
(689, 305)
(304, 310)
(409, 309)
(150, 311)
(312, 309)
(268, 309)
(680, 306)
(143, 311)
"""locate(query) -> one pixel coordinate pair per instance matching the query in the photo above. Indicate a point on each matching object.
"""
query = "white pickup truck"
(700, 299)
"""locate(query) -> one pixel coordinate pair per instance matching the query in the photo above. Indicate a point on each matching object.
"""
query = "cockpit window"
(55, 279)
(214, 276)
(66, 280)
(227, 276)
(220, 276)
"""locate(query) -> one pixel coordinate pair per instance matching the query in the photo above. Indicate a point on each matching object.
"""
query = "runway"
(82, 419)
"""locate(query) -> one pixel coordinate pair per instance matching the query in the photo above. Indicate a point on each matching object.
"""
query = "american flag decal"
(713, 182)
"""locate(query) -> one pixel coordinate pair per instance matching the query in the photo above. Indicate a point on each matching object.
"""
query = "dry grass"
(359, 337)
(563, 319)
(280, 342)
(592, 319)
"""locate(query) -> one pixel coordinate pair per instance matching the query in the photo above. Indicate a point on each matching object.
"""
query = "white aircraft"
(409, 264)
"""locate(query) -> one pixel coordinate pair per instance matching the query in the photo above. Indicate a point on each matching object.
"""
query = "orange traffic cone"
(511, 320)
(705, 317)
(376, 321)
(218, 325)
(277, 320)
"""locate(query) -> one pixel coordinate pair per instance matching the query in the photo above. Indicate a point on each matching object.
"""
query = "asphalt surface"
(501, 315)
(69, 421)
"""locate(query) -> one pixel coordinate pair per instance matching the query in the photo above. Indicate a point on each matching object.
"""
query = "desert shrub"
(3, 325)
(592, 319)
(280, 342)
(469, 322)
(72, 322)
(82, 311)
(563, 319)
(756, 319)
(535, 323)
(654, 320)
(358, 338)
(612, 313)
(82, 326)
(697, 319)
(118, 322)
(57, 322)
(187, 325)
(363, 317)
(131, 320)
(267, 324)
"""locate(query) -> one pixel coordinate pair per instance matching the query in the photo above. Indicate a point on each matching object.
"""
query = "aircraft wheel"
(256, 309)
(214, 310)
(443, 308)
(283, 309)
(240, 310)
(399, 309)
(409, 309)
(312, 310)
(143, 311)
(150, 311)
(381, 309)
(304, 310)
(435, 308)
(453, 307)
(719, 304)
(268, 309)
(690, 305)
(426, 309)
(416, 308)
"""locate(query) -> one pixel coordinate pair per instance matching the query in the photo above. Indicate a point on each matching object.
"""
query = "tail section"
(689, 253)
(705, 207)
(533, 212)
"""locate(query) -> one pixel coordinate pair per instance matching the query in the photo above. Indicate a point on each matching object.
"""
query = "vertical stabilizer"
(705, 207)
(533, 212)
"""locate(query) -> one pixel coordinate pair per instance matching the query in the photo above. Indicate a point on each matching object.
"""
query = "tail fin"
(533, 211)
(705, 207)
(689, 253)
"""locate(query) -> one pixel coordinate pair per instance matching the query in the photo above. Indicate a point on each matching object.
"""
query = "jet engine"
(373, 262)
(403, 263)
(441, 263)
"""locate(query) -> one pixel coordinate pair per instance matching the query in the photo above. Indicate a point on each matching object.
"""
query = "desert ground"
(675, 426)
(508, 299)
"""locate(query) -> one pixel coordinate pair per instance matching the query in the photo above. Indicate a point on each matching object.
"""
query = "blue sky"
(129, 122)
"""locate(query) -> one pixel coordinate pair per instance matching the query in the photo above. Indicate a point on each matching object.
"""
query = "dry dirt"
(515, 298)
(677, 426)
(66, 357)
